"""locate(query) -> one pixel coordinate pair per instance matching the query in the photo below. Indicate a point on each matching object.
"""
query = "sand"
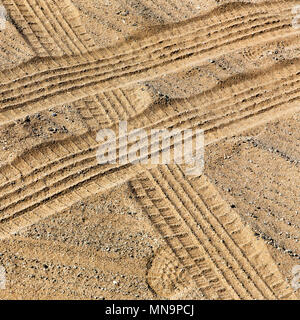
(71, 228)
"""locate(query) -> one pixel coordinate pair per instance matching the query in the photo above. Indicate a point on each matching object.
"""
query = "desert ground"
(71, 228)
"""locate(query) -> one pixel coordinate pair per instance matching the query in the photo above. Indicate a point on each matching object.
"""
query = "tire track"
(69, 163)
(48, 180)
(60, 21)
(73, 87)
(167, 277)
(154, 40)
(87, 66)
(105, 109)
(193, 257)
(194, 210)
(52, 27)
(179, 119)
(240, 99)
(52, 69)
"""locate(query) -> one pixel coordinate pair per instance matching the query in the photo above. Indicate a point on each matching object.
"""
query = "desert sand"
(71, 228)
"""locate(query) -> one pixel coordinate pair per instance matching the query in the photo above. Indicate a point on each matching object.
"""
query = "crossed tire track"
(185, 212)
